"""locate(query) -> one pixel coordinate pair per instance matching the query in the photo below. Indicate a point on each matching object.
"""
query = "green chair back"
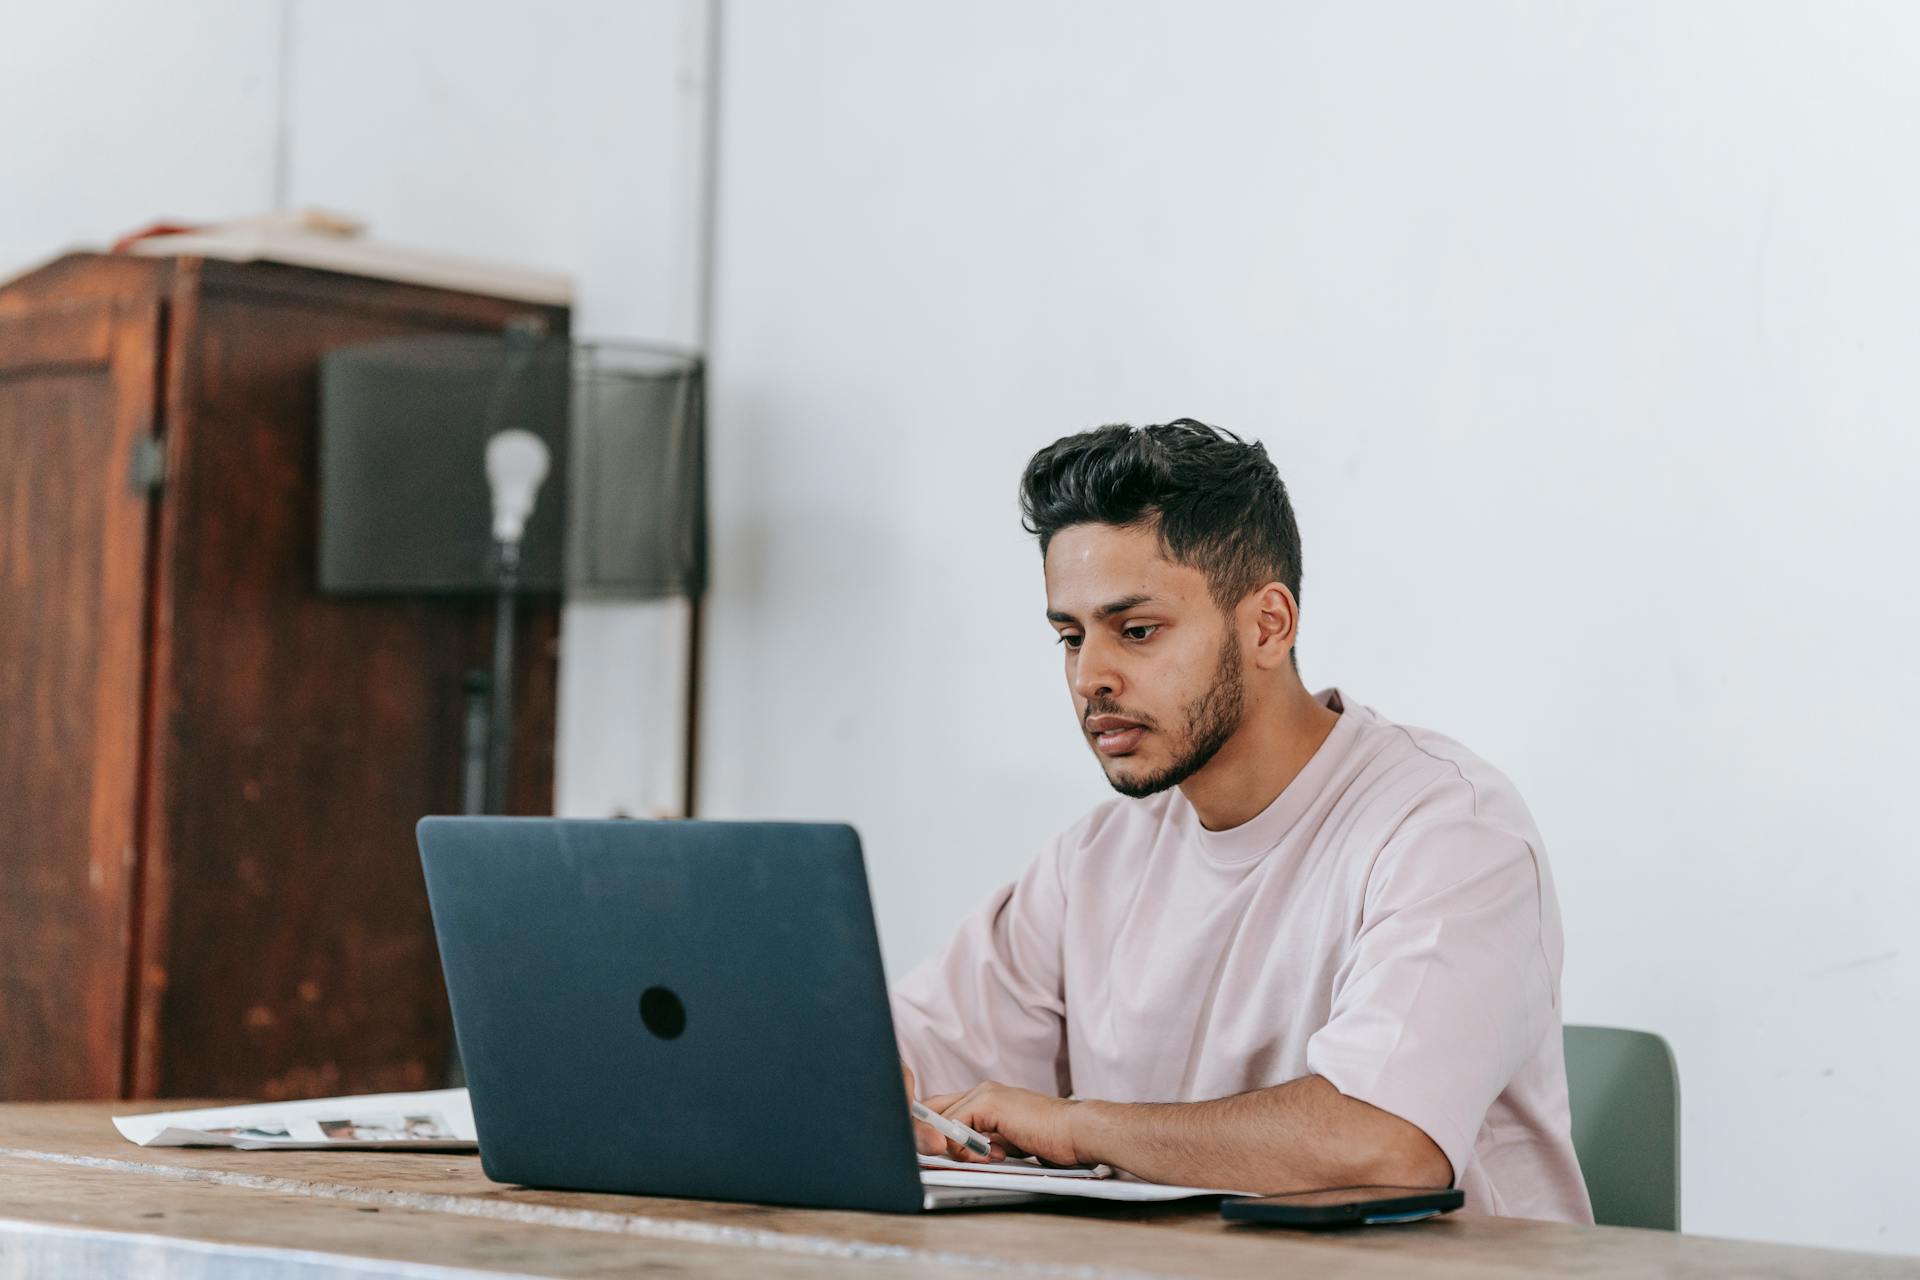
(1625, 1092)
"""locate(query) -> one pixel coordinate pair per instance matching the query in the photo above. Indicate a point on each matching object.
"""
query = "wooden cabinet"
(209, 772)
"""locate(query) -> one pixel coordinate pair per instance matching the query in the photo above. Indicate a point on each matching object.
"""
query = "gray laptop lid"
(672, 1008)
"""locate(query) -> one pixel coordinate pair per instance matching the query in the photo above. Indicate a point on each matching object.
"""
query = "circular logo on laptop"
(662, 1012)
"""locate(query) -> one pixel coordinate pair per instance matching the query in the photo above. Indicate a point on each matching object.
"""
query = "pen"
(953, 1129)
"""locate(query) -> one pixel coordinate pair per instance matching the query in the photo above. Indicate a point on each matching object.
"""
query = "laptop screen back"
(674, 1008)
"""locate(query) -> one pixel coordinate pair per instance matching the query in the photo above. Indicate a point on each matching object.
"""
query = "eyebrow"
(1104, 612)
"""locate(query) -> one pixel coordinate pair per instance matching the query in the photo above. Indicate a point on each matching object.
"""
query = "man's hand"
(1018, 1122)
(926, 1139)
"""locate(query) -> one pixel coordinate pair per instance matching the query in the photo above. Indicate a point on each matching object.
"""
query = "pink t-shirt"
(1388, 923)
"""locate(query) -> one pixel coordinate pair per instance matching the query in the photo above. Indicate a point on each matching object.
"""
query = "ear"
(1274, 619)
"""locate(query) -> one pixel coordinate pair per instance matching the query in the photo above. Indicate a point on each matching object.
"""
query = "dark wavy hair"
(1216, 500)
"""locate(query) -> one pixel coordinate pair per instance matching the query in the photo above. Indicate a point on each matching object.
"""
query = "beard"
(1212, 718)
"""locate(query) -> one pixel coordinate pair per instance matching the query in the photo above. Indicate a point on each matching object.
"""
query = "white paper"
(430, 1120)
(1118, 1187)
(1030, 1167)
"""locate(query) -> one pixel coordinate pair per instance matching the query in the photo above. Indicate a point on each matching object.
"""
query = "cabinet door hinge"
(147, 467)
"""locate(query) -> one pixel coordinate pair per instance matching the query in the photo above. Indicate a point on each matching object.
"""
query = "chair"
(1624, 1089)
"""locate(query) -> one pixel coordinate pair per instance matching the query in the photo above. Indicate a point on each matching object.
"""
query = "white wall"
(567, 136)
(1586, 337)
(94, 96)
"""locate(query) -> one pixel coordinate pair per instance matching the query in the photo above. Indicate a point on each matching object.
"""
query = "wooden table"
(77, 1199)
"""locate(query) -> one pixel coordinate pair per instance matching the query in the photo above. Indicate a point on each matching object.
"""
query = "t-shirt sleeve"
(1446, 991)
(992, 1005)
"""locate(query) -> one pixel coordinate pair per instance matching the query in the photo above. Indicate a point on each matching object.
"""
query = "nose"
(1094, 675)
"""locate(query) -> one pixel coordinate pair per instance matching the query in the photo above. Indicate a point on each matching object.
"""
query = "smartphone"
(1343, 1207)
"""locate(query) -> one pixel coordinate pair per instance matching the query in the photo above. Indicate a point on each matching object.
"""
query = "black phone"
(1343, 1207)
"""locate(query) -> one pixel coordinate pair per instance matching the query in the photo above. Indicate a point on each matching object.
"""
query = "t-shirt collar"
(1260, 833)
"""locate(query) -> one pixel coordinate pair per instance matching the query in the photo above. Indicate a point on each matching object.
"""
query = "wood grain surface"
(213, 771)
(68, 1182)
(77, 390)
(286, 948)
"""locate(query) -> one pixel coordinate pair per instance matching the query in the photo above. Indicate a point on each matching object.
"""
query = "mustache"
(1097, 707)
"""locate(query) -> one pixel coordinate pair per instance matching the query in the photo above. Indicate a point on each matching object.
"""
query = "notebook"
(1096, 1183)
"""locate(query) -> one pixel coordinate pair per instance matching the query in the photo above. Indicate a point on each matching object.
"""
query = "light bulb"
(516, 464)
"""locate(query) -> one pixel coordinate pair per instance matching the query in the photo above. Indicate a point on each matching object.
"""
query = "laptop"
(676, 1008)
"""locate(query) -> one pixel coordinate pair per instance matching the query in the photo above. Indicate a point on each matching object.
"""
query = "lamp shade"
(405, 426)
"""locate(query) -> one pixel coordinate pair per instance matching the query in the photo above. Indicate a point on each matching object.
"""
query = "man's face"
(1153, 664)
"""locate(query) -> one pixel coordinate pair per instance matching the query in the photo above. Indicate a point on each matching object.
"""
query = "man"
(1308, 948)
